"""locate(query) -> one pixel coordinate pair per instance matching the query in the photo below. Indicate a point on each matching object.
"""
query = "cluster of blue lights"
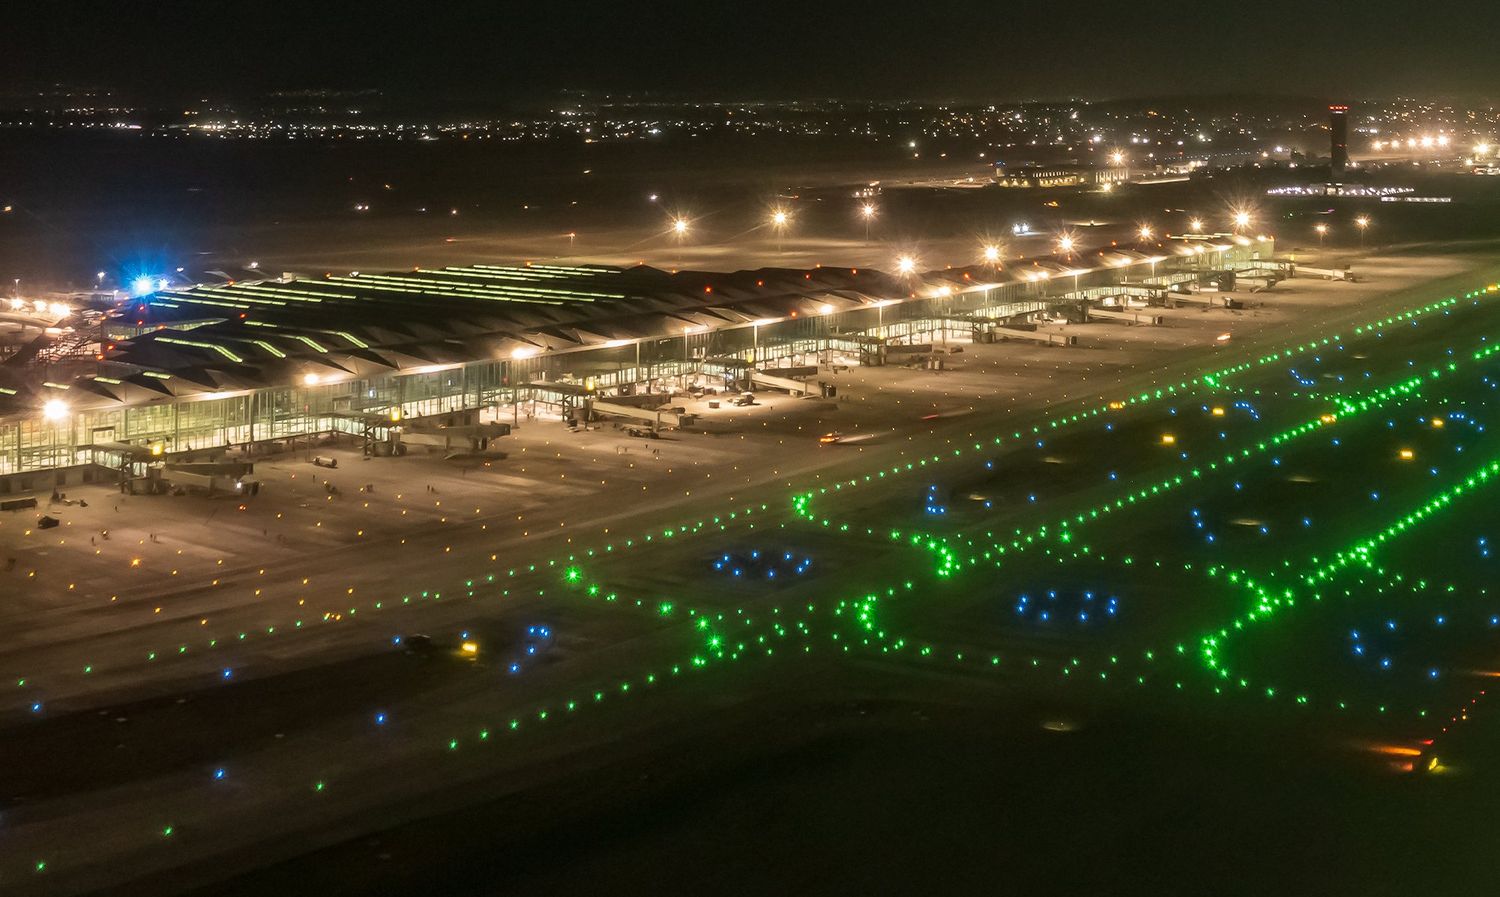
(538, 639)
(1080, 607)
(757, 564)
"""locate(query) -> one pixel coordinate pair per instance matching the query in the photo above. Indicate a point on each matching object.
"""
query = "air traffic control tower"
(1338, 131)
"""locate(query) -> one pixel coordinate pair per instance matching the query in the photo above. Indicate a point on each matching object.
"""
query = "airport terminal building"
(449, 358)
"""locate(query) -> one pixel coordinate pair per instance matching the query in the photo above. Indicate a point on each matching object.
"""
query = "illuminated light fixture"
(1145, 232)
(524, 352)
(992, 254)
(469, 648)
(1406, 454)
(54, 409)
(779, 218)
(157, 448)
(395, 414)
(1196, 225)
(1437, 422)
(1168, 439)
(1362, 221)
(944, 290)
(906, 264)
(141, 285)
(1242, 219)
(310, 379)
(867, 210)
(1117, 158)
(1065, 243)
(1218, 411)
(680, 226)
(616, 343)
(825, 308)
(1327, 418)
(1116, 405)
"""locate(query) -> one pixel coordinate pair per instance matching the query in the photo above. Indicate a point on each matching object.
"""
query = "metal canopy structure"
(265, 361)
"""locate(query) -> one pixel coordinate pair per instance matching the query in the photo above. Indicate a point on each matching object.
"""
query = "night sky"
(939, 49)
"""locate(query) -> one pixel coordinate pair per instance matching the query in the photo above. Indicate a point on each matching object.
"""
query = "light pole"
(779, 220)
(1362, 222)
(1322, 230)
(867, 211)
(680, 229)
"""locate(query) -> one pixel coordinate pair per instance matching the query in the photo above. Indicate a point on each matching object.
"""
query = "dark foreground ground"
(946, 785)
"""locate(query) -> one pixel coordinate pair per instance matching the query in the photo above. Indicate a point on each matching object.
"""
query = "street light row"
(992, 253)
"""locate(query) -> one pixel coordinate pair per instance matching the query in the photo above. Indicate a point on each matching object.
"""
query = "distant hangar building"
(1059, 175)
